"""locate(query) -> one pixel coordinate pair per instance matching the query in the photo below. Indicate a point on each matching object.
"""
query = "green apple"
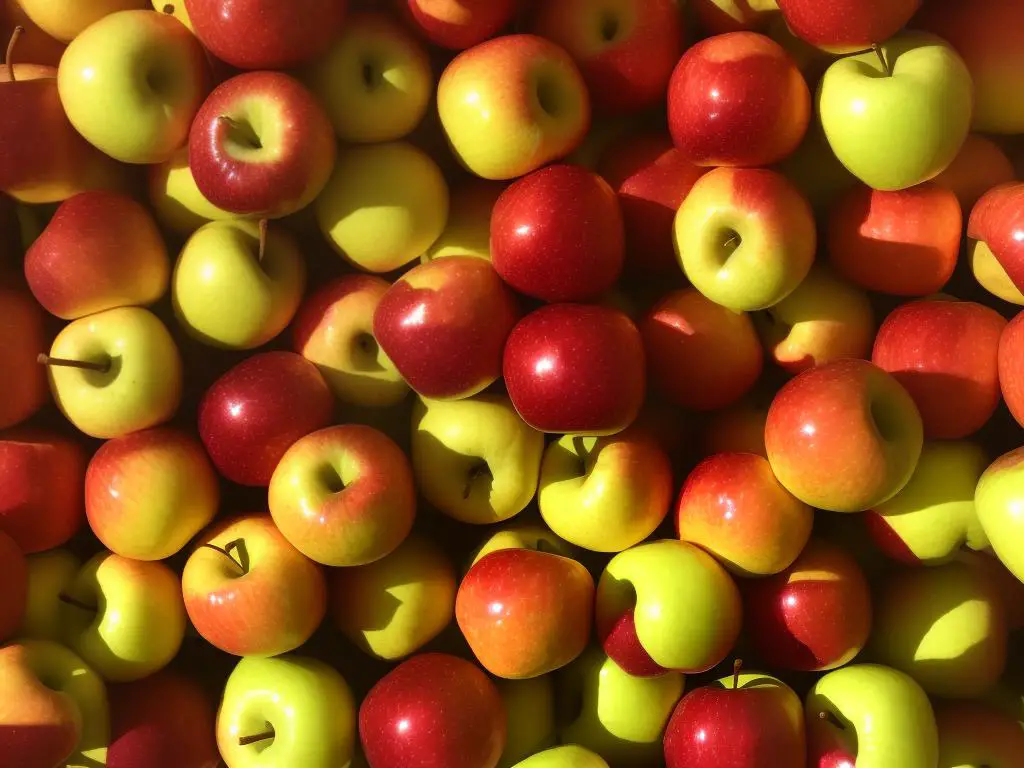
(523, 536)
(237, 284)
(567, 756)
(529, 717)
(872, 716)
(286, 710)
(49, 574)
(475, 459)
(999, 501)
(178, 204)
(901, 123)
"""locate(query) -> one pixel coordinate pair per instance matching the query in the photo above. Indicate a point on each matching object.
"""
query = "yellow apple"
(49, 573)
(176, 9)
(522, 536)
(468, 231)
(64, 20)
(529, 717)
(177, 202)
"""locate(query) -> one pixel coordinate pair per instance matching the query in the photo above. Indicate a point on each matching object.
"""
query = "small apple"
(998, 501)
(458, 24)
(847, 26)
(23, 337)
(49, 575)
(980, 165)
(996, 232)
(176, 201)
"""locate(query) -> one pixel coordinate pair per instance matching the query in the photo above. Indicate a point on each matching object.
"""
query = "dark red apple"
(23, 337)
(845, 26)
(1011, 366)
(14, 595)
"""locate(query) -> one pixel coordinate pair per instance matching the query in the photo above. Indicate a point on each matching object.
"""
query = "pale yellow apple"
(177, 202)
(522, 536)
(64, 19)
(49, 573)
(566, 756)
(529, 717)
(468, 231)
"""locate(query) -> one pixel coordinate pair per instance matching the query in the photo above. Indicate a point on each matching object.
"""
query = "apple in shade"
(977, 734)
(944, 352)
(261, 145)
(458, 24)
(725, 90)
(101, 250)
(175, 199)
(847, 26)
(521, 535)
(557, 234)
(903, 242)
(872, 716)
(1011, 362)
(64, 21)
(468, 229)
(565, 756)
(576, 369)
(23, 337)
(511, 105)
(529, 718)
(49, 573)
(736, 429)
(253, 413)
(980, 165)
(175, 9)
(298, 707)
(344, 495)
(996, 232)
(997, 501)
(14, 576)
(34, 44)
(475, 459)
(745, 237)
(665, 605)
(433, 709)
(720, 16)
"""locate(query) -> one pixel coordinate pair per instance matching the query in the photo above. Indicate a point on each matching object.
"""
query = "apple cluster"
(512, 384)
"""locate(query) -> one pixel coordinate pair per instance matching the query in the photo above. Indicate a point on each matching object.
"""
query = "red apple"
(444, 324)
(1011, 366)
(845, 26)
(557, 234)
(23, 337)
(575, 368)
(252, 414)
(433, 710)
(458, 24)
(737, 100)
(979, 165)
(945, 353)
(997, 226)
(14, 596)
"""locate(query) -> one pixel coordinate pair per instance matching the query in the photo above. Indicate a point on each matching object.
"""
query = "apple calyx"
(736, 667)
(85, 365)
(886, 67)
(9, 54)
(243, 132)
(244, 741)
(237, 545)
(168, 9)
(480, 470)
(69, 600)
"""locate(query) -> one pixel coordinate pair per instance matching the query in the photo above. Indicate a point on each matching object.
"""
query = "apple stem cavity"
(9, 54)
(263, 240)
(881, 57)
(238, 545)
(85, 365)
(256, 738)
(736, 667)
(69, 600)
(243, 132)
(479, 471)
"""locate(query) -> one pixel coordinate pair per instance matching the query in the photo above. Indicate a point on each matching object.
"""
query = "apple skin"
(101, 250)
(944, 352)
(521, 535)
(175, 199)
(977, 734)
(566, 756)
(468, 229)
(996, 229)
(716, 17)
(736, 429)
(844, 437)
(847, 26)
(725, 90)
(488, 99)
(64, 21)
(458, 24)
(1010, 359)
(14, 576)
(23, 336)
(980, 165)
(996, 500)
(433, 709)
(253, 413)
(49, 573)
(525, 613)
(529, 719)
(903, 242)
(34, 45)
(557, 234)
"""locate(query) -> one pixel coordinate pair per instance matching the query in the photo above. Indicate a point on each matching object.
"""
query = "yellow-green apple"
(176, 9)
(458, 24)
(344, 495)
(65, 20)
(126, 618)
(737, 99)
(468, 229)
(944, 352)
(576, 369)
(700, 355)
(34, 44)
(998, 500)
(745, 237)
(53, 708)
(944, 626)
(844, 436)
(296, 708)
(975, 734)
(529, 717)
(142, 65)
(394, 606)
(522, 536)
(980, 165)
(237, 285)
(14, 575)
(667, 605)
(814, 616)
(1011, 359)
(747, 720)
(897, 116)
(261, 145)
(619, 716)
(247, 591)
(23, 336)
(565, 756)
(511, 105)
(996, 232)
(101, 250)
(383, 205)
(605, 493)
(847, 26)
(49, 574)
(716, 17)
(375, 80)
(902, 242)
(475, 459)
(871, 716)
(625, 50)
(525, 612)
(736, 429)
(444, 325)
(115, 372)
(253, 413)
(178, 204)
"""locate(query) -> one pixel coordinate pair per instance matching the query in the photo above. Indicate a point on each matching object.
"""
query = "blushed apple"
(997, 500)
(720, 16)
(996, 232)
(458, 24)
(23, 337)
(1010, 361)
(847, 26)
(176, 201)
(980, 165)
(521, 535)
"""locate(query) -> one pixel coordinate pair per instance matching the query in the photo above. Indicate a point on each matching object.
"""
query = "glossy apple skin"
(845, 26)
(14, 577)
(575, 368)
(944, 353)
(902, 242)
(557, 234)
(814, 616)
(458, 24)
(979, 165)
(1011, 366)
(525, 613)
(737, 99)
(23, 336)
(997, 220)
(253, 413)
(433, 710)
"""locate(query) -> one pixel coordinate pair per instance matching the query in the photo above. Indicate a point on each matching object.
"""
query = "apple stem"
(69, 600)
(736, 667)
(226, 550)
(9, 55)
(881, 57)
(85, 365)
(244, 741)
(263, 240)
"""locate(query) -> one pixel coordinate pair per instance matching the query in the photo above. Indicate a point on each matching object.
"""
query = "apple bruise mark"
(256, 738)
(480, 471)
(9, 53)
(235, 546)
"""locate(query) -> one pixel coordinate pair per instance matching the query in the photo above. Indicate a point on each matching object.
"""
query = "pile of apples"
(493, 383)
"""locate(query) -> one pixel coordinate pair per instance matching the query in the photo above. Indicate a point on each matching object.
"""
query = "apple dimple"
(331, 479)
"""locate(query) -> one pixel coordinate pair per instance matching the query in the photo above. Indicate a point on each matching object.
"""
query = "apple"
(902, 122)
(64, 20)
(720, 16)
(847, 26)
(996, 232)
(723, 93)
(902, 242)
(980, 165)
(944, 352)
(176, 201)
(468, 229)
(557, 234)
(23, 336)
(299, 707)
(435, 709)
(475, 459)
(34, 44)
(566, 756)
(261, 145)
(997, 501)
(14, 575)
(253, 413)
(666, 605)
(383, 205)
(1010, 358)
(522, 535)
(814, 169)
(511, 105)
(844, 436)
(736, 429)
(458, 24)
(176, 9)
(745, 237)
(49, 574)
(977, 734)
(529, 720)
(343, 495)
(115, 372)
